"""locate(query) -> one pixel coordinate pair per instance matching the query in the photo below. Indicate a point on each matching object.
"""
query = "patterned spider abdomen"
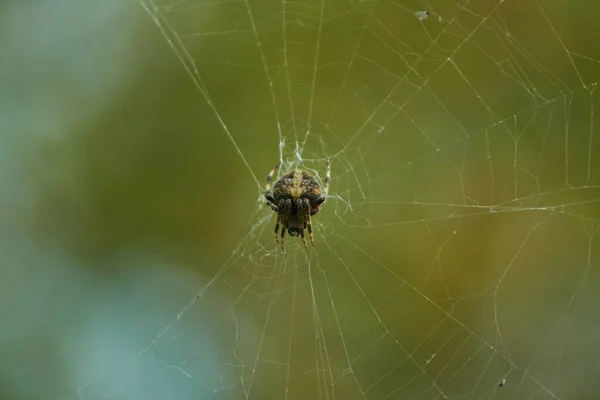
(297, 185)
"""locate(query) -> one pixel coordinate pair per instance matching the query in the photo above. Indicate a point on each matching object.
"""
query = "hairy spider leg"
(277, 228)
(282, 239)
(286, 211)
(302, 237)
(268, 195)
(307, 219)
(302, 218)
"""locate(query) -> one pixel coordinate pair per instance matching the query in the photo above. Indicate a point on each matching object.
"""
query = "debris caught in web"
(422, 15)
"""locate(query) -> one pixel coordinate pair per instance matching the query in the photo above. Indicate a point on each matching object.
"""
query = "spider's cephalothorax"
(296, 196)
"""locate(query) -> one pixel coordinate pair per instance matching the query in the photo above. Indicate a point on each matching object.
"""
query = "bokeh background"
(457, 255)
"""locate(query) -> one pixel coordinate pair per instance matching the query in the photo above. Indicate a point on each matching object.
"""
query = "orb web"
(456, 257)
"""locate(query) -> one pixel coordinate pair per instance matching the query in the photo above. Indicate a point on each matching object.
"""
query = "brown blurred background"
(458, 248)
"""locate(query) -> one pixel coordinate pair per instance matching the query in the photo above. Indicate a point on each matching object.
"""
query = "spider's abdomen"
(295, 185)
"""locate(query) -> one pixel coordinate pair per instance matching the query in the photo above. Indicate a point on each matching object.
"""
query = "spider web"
(456, 257)
(462, 141)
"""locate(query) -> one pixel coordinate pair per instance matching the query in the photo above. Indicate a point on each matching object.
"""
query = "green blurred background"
(458, 248)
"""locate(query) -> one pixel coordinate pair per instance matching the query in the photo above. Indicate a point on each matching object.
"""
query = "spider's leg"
(268, 185)
(302, 211)
(285, 219)
(303, 240)
(282, 239)
(273, 207)
(277, 228)
(307, 222)
(271, 202)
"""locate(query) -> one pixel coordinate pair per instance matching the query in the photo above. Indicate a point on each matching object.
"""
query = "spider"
(296, 197)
